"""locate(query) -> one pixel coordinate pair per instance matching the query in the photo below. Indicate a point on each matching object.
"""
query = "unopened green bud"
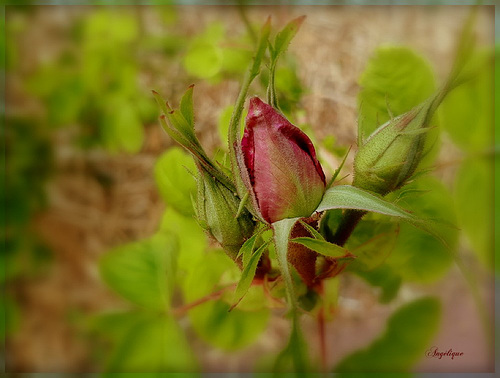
(217, 210)
(391, 154)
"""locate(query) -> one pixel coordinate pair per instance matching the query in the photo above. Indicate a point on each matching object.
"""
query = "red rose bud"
(286, 177)
(217, 207)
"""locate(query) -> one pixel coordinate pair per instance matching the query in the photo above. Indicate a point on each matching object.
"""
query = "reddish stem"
(179, 311)
(322, 339)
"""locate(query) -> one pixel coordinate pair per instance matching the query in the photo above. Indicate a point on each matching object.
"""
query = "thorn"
(191, 86)
(241, 207)
(388, 107)
(344, 177)
(154, 92)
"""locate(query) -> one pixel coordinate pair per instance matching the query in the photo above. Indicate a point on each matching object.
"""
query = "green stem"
(282, 231)
(296, 347)
(272, 98)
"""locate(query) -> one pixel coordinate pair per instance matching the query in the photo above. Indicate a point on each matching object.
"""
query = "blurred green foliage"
(96, 87)
(419, 256)
(28, 165)
(154, 344)
(212, 320)
(468, 118)
(468, 112)
(212, 54)
(174, 175)
(143, 272)
(192, 248)
(408, 334)
(142, 342)
(474, 193)
(9, 317)
(395, 79)
(178, 260)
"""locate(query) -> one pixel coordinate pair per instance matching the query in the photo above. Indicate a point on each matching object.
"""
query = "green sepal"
(323, 247)
(248, 274)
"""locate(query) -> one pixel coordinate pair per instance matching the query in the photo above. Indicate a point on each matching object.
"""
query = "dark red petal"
(297, 136)
(248, 149)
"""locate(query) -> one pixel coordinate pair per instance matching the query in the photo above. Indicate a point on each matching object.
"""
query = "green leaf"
(417, 255)
(247, 248)
(396, 77)
(212, 320)
(173, 173)
(177, 120)
(312, 230)
(409, 332)
(151, 343)
(186, 106)
(350, 197)
(473, 193)
(178, 129)
(112, 327)
(143, 272)
(281, 42)
(321, 246)
(248, 273)
(467, 112)
(192, 240)
(375, 251)
(385, 278)
(285, 36)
